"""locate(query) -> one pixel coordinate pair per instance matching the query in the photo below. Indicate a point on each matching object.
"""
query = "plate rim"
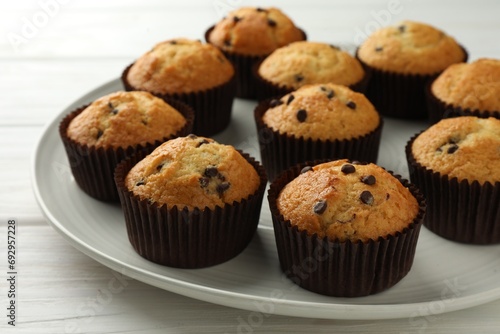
(282, 307)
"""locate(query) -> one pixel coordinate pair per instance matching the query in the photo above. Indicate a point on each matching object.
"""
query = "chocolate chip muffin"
(192, 202)
(456, 163)
(193, 172)
(249, 34)
(403, 57)
(466, 89)
(188, 70)
(317, 122)
(333, 210)
(125, 119)
(98, 136)
(302, 63)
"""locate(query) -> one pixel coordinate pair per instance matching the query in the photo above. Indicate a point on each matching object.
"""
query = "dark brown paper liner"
(281, 151)
(266, 89)
(439, 109)
(185, 238)
(459, 211)
(93, 168)
(212, 107)
(246, 84)
(399, 95)
(342, 269)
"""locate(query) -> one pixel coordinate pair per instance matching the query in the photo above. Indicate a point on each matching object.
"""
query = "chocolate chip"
(236, 19)
(227, 42)
(387, 196)
(402, 28)
(221, 188)
(211, 171)
(99, 134)
(379, 49)
(202, 142)
(351, 105)
(320, 207)
(298, 77)
(329, 93)
(366, 197)
(290, 99)
(110, 105)
(160, 166)
(452, 148)
(356, 162)
(271, 23)
(260, 9)
(334, 47)
(221, 177)
(173, 42)
(140, 183)
(305, 169)
(301, 115)
(144, 122)
(275, 103)
(368, 179)
(347, 169)
(114, 111)
(203, 181)
(192, 136)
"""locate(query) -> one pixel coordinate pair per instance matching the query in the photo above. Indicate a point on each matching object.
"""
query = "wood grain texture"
(87, 43)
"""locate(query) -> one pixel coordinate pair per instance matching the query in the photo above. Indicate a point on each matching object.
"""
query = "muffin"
(402, 59)
(303, 63)
(98, 136)
(466, 89)
(321, 121)
(345, 229)
(456, 164)
(247, 35)
(195, 73)
(192, 202)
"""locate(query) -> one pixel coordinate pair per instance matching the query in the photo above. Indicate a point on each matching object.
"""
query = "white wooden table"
(54, 51)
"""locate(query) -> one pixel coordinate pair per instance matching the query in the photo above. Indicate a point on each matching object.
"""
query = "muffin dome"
(302, 63)
(125, 119)
(254, 31)
(474, 86)
(322, 111)
(347, 201)
(180, 66)
(193, 172)
(410, 48)
(467, 148)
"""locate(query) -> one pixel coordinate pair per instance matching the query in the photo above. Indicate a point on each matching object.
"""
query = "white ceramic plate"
(446, 276)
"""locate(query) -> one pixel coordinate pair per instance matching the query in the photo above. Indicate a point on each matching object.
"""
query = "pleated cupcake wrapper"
(212, 107)
(246, 84)
(459, 211)
(439, 109)
(93, 168)
(281, 151)
(342, 269)
(185, 238)
(399, 95)
(267, 89)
